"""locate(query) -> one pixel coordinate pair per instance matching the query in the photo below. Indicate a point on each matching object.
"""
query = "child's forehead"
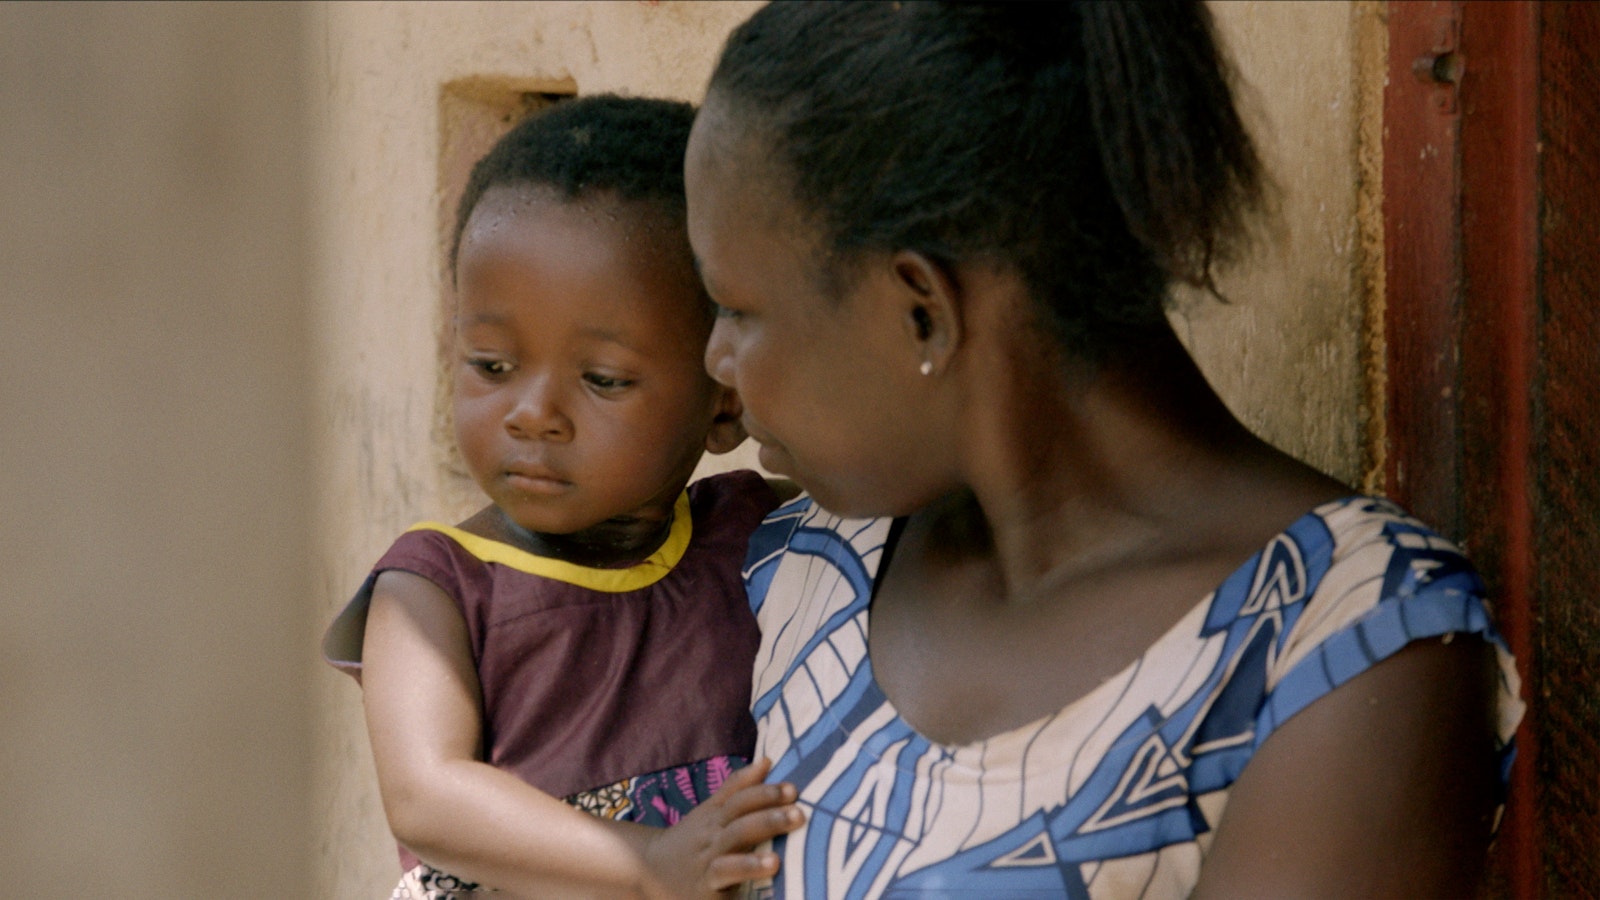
(549, 207)
(631, 235)
(530, 247)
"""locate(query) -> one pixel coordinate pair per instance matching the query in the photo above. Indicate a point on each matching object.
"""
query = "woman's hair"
(1093, 146)
(630, 148)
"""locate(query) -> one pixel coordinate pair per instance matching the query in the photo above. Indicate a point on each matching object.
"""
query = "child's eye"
(606, 382)
(724, 312)
(491, 368)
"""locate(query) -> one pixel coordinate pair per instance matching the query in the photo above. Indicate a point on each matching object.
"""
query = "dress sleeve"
(1390, 581)
(425, 553)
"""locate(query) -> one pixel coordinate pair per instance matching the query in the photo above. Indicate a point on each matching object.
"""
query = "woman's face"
(830, 386)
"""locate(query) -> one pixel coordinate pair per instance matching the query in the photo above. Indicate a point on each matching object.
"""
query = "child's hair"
(629, 147)
(1092, 146)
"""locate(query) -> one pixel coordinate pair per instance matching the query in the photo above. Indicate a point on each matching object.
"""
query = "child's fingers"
(743, 778)
(754, 829)
(736, 868)
(756, 797)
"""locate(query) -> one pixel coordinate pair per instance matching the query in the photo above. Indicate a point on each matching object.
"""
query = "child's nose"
(537, 412)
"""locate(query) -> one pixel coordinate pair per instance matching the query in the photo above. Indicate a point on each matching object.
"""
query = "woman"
(1083, 634)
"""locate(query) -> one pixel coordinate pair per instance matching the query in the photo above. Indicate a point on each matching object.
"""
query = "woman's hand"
(713, 848)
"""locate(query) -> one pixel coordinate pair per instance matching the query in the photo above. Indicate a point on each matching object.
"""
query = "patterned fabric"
(1116, 795)
(424, 882)
(659, 798)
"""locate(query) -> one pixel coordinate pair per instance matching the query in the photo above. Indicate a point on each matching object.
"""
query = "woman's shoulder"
(1356, 581)
(1351, 553)
(1367, 552)
(800, 542)
(801, 526)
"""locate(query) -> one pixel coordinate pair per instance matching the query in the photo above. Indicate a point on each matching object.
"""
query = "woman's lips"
(768, 451)
(772, 458)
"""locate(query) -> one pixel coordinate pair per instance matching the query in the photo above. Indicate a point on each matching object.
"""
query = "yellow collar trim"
(614, 581)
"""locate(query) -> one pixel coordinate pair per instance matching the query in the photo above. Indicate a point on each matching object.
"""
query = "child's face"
(581, 399)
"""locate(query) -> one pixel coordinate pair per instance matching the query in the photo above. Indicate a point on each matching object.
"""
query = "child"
(585, 636)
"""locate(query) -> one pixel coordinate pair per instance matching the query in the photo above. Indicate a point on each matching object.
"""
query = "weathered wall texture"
(154, 668)
(1285, 352)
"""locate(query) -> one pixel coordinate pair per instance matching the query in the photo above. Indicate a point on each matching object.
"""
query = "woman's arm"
(423, 707)
(1386, 787)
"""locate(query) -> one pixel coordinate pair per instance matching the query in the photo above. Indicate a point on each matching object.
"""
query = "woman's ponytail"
(1175, 152)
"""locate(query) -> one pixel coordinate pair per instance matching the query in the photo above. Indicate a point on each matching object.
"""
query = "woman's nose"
(537, 412)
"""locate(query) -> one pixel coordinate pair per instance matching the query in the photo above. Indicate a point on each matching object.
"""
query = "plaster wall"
(1286, 351)
(155, 718)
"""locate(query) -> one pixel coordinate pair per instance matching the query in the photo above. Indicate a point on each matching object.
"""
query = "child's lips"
(536, 480)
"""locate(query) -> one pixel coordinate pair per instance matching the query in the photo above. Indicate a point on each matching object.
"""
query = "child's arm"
(423, 707)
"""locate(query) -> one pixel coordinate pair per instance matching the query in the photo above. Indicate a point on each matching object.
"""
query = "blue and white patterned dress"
(1116, 795)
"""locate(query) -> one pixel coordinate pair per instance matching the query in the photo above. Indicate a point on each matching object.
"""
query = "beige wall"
(155, 673)
(1286, 352)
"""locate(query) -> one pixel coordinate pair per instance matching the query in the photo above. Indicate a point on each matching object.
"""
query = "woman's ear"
(932, 309)
(727, 431)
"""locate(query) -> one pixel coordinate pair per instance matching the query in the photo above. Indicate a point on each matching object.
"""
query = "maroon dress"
(625, 691)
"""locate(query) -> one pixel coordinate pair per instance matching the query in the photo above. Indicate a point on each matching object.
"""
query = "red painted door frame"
(1492, 370)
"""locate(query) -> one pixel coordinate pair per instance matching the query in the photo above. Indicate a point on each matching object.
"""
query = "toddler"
(585, 637)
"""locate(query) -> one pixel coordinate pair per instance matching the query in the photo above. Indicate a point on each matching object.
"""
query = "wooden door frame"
(1478, 384)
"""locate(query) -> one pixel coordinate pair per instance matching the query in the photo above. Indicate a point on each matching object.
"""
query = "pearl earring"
(926, 368)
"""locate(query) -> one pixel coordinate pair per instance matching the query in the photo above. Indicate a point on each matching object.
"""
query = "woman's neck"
(1071, 470)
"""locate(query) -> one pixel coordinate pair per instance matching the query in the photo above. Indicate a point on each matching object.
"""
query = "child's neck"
(621, 541)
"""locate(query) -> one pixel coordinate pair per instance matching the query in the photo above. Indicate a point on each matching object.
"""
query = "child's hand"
(712, 848)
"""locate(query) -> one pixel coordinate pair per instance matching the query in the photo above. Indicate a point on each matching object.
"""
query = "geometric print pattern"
(1116, 795)
(658, 799)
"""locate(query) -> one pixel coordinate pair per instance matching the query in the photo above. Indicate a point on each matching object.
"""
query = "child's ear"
(727, 431)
